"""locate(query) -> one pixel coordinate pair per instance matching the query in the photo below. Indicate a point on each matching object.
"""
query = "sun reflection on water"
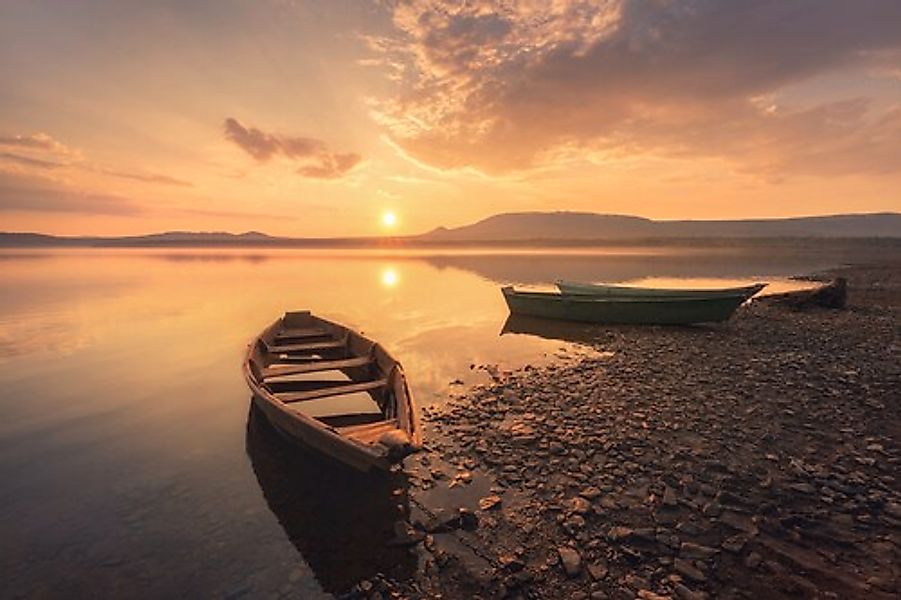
(389, 277)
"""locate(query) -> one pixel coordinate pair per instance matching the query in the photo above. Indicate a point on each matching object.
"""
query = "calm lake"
(130, 461)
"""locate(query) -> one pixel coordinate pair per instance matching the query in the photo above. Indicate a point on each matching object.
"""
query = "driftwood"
(831, 295)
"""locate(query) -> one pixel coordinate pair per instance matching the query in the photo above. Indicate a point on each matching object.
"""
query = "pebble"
(597, 570)
(489, 502)
(571, 560)
(684, 444)
(687, 569)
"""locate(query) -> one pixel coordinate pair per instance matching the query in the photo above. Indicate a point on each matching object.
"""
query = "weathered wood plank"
(370, 434)
(292, 334)
(350, 429)
(315, 367)
(351, 419)
(286, 348)
(338, 390)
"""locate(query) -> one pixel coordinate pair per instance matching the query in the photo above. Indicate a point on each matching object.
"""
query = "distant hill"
(189, 238)
(594, 226)
(551, 227)
(169, 238)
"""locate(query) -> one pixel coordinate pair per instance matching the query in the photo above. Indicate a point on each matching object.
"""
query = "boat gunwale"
(576, 288)
(510, 290)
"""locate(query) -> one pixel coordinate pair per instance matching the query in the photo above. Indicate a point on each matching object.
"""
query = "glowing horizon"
(316, 119)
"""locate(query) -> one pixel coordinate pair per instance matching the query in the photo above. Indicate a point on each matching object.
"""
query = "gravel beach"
(757, 459)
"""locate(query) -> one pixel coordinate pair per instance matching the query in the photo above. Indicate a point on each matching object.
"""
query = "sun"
(389, 219)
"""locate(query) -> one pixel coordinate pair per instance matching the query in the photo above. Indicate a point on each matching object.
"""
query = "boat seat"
(315, 367)
(337, 390)
(351, 419)
(299, 334)
(287, 348)
(370, 432)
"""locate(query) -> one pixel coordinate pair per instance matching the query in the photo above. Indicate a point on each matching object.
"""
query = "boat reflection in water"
(340, 520)
(552, 329)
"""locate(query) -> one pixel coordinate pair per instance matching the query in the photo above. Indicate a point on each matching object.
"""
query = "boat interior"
(333, 375)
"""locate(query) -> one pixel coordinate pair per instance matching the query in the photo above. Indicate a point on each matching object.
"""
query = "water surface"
(131, 462)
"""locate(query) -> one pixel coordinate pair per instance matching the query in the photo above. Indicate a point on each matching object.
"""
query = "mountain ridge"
(519, 227)
(590, 226)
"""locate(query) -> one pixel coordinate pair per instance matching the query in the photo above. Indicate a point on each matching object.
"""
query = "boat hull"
(621, 311)
(316, 438)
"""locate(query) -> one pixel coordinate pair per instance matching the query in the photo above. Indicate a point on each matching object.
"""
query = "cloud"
(147, 177)
(45, 153)
(331, 166)
(37, 141)
(318, 160)
(29, 161)
(21, 193)
(501, 86)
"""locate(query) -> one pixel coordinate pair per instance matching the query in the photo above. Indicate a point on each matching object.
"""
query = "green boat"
(623, 310)
(622, 291)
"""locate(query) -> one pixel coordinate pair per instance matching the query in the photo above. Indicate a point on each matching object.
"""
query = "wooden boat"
(622, 291)
(624, 310)
(286, 368)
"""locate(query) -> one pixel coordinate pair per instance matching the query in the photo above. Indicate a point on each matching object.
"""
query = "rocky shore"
(758, 459)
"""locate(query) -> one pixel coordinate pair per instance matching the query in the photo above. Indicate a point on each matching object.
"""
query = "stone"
(687, 569)
(649, 595)
(619, 533)
(597, 570)
(580, 505)
(683, 592)
(753, 560)
(510, 563)
(893, 509)
(571, 560)
(669, 497)
(443, 521)
(735, 543)
(739, 521)
(461, 478)
(468, 519)
(590, 493)
(519, 579)
(804, 488)
(489, 502)
(693, 551)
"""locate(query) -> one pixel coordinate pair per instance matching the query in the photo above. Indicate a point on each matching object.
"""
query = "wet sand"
(758, 458)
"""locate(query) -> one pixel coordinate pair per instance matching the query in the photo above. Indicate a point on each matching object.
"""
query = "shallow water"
(130, 463)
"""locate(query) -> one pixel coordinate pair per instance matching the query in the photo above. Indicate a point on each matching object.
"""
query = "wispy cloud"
(317, 160)
(29, 161)
(41, 152)
(22, 193)
(146, 177)
(39, 141)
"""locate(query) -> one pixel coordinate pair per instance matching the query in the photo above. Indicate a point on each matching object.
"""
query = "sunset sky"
(317, 118)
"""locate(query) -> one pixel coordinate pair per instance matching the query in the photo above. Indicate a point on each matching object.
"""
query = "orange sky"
(316, 118)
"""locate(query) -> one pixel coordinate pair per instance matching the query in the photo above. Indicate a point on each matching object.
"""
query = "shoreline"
(754, 459)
